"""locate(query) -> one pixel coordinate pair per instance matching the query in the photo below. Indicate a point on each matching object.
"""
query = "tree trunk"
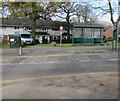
(111, 12)
(33, 29)
(33, 21)
(68, 25)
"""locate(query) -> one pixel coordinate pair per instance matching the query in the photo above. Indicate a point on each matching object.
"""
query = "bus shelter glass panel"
(97, 33)
(78, 33)
(88, 36)
(88, 33)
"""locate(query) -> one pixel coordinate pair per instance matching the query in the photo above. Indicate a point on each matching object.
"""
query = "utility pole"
(114, 41)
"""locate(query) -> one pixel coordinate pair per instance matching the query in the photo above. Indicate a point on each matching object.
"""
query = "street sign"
(61, 27)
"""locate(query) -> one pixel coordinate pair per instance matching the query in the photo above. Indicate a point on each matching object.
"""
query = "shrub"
(109, 39)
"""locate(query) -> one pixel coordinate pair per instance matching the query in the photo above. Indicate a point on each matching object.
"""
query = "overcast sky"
(104, 4)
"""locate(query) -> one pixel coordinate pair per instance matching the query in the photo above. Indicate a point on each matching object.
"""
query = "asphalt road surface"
(39, 61)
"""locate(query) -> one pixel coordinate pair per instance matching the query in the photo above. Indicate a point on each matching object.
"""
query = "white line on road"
(28, 63)
(98, 60)
(51, 62)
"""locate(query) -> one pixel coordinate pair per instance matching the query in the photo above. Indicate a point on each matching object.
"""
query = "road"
(89, 72)
(39, 61)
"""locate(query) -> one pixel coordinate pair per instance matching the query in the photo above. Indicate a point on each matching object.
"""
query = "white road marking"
(28, 63)
(98, 60)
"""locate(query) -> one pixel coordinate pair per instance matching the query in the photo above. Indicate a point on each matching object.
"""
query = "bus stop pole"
(61, 38)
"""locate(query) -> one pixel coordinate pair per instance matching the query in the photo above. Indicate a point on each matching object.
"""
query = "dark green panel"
(98, 40)
(88, 41)
(14, 41)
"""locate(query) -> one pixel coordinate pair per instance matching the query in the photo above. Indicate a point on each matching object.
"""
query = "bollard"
(20, 50)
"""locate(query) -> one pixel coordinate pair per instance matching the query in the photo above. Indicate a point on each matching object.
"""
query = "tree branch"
(111, 11)
(118, 20)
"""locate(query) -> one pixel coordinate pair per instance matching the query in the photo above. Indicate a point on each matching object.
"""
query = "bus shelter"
(87, 34)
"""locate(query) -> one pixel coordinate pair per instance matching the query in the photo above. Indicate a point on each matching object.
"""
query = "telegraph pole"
(114, 43)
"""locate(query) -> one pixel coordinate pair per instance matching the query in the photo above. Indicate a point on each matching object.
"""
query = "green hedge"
(63, 40)
(109, 39)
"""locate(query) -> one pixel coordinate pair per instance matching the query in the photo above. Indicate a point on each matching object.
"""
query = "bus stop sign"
(61, 27)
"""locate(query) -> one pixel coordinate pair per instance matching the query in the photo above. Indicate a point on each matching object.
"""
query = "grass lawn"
(118, 43)
(4, 46)
(105, 44)
(49, 45)
(58, 45)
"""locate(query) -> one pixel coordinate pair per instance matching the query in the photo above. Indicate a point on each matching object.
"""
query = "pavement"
(72, 86)
(37, 62)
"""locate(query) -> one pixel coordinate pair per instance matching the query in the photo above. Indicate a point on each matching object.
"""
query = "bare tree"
(49, 10)
(111, 14)
(66, 11)
(84, 13)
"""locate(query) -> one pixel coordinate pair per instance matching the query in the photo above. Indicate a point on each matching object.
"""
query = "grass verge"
(57, 45)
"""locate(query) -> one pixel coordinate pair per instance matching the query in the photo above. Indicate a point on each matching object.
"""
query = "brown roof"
(27, 22)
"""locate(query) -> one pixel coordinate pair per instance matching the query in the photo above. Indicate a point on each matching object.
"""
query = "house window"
(43, 28)
(55, 29)
(16, 27)
(4, 27)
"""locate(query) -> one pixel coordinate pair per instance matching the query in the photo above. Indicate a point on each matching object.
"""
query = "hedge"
(109, 39)
(63, 41)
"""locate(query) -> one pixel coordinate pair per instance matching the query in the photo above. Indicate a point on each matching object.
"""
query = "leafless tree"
(66, 11)
(84, 13)
(111, 14)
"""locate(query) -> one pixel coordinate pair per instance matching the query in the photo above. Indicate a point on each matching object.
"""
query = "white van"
(26, 37)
